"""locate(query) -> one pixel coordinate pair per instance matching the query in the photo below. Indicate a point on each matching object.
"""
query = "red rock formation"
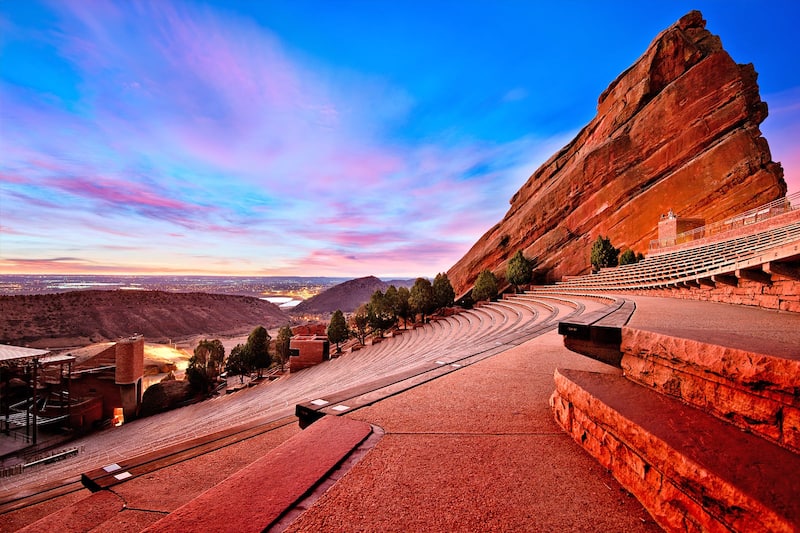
(677, 130)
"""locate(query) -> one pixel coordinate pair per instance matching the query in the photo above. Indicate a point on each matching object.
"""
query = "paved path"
(478, 450)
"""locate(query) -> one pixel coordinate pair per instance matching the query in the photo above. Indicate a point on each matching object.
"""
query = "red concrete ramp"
(256, 496)
(82, 516)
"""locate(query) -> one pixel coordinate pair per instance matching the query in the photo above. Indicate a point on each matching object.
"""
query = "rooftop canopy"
(20, 354)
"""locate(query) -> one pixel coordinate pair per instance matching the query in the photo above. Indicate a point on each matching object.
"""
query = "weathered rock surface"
(163, 396)
(677, 130)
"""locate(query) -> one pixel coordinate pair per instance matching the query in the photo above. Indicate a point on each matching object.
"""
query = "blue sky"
(314, 138)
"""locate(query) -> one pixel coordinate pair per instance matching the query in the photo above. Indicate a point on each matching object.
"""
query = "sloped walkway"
(478, 450)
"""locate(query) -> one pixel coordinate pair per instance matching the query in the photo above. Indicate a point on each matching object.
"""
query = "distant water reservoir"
(284, 302)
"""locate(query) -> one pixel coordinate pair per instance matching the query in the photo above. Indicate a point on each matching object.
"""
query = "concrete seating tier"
(443, 346)
(748, 256)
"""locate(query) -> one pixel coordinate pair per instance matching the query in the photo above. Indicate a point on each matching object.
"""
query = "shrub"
(628, 257)
(485, 287)
(519, 270)
(603, 253)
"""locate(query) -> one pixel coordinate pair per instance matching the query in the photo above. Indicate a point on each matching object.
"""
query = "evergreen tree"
(258, 349)
(282, 342)
(360, 322)
(380, 313)
(443, 293)
(421, 297)
(402, 306)
(337, 329)
(392, 298)
(628, 257)
(603, 253)
(485, 287)
(205, 365)
(519, 270)
(239, 361)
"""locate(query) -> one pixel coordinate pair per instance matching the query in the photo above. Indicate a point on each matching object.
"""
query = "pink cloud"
(118, 192)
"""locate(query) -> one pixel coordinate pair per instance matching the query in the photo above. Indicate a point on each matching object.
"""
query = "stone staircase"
(704, 432)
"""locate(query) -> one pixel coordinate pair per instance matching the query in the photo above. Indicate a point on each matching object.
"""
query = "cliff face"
(677, 130)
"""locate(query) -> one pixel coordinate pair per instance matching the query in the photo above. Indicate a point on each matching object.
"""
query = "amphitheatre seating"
(348, 382)
(443, 346)
(734, 256)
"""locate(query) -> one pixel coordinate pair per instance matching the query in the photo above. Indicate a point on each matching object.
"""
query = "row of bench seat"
(693, 264)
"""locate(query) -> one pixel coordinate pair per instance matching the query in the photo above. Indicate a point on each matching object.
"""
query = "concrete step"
(691, 470)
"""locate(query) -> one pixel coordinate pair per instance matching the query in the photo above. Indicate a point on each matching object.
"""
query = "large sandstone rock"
(677, 130)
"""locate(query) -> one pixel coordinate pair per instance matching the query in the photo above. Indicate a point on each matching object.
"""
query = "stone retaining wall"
(782, 295)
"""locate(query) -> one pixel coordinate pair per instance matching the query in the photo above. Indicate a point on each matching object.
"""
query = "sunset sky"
(328, 138)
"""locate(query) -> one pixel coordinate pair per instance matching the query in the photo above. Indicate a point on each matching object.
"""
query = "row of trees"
(385, 310)
(604, 255)
(208, 360)
(519, 271)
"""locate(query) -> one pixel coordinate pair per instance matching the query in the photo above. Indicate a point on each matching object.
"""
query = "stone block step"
(759, 392)
(692, 471)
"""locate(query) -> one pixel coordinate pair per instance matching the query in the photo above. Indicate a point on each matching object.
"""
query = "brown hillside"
(81, 317)
(346, 296)
(677, 130)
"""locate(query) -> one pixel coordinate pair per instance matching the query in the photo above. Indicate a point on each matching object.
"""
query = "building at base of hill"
(110, 374)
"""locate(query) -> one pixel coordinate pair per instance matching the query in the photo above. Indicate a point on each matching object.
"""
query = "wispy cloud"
(177, 130)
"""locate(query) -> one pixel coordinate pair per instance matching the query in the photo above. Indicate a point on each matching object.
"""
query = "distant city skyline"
(313, 138)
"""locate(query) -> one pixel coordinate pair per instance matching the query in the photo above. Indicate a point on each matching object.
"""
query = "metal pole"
(35, 366)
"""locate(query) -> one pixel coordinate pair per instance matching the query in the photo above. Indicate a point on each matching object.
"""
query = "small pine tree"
(485, 287)
(282, 345)
(603, 253)
(337, 329)
(519, 270)
(628, 257)
(205, 365)
(402, 306)
(360, 322)
(240, 361)
(443, 293)
(421, 297)
(258, 348)
(379, 311)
